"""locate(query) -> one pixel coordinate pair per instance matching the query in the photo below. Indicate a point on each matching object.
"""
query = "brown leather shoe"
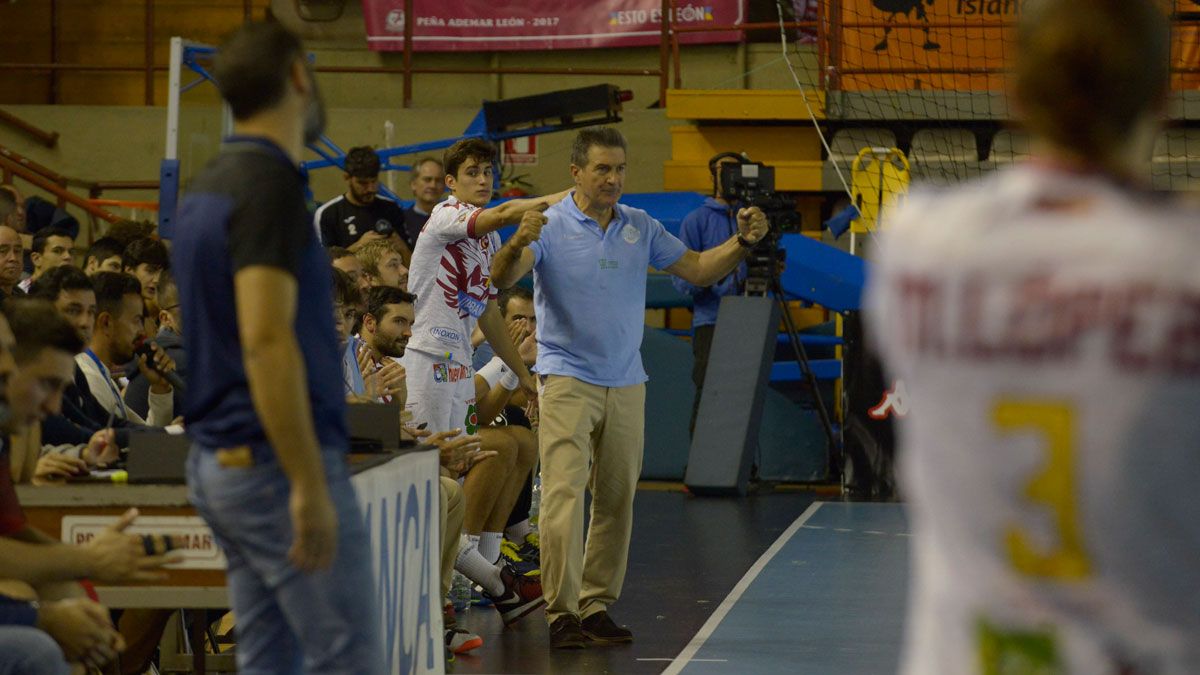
(565, 633)
(600, 628)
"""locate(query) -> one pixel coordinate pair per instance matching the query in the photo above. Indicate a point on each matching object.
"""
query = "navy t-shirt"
(247, 208)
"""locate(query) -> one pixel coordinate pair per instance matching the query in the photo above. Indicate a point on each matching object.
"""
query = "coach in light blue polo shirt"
(589, 255)
(579, 270)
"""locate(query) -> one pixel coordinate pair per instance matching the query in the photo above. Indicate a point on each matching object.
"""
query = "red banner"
(486, 25)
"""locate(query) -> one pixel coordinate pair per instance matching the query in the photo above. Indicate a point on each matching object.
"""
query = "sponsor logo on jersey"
(463, 277)
(449, 373)
(630, 234)
(383, 226)
(471, 305)
(471, 423)
(447, 336)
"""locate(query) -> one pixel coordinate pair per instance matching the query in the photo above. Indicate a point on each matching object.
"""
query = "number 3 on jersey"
(1052, 487)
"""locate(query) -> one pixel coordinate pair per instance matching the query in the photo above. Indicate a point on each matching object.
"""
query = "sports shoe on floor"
(459, 641)
(600, 628)
(510, 556)
(531, 548)
(522, 595)
(565, 633)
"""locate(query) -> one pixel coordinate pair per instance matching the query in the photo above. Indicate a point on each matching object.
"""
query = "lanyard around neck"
(112, 386)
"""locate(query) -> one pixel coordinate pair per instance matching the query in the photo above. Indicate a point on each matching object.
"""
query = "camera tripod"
(771, 286)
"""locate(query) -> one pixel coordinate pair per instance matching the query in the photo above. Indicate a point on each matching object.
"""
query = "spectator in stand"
(346, 301)
(170, 339)
(383, 265)
(105, 255)
(345, 260)
(83, 417)
(360, 216)
(40, 571)
(66, 447)
(516, 306)
(12, 211)
(503, 407)
(428, 184)
(458, 454)
(147, 259)
(35, 367)
(119, 326)
(41, 214)
(52, 247)
(11, 255)
(127, 231)
(386, 328)
(37, 638)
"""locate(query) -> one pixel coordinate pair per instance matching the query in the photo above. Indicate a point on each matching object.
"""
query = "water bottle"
(535, 502)
(460, 592)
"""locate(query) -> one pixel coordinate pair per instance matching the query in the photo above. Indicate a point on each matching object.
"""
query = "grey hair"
(605, 137)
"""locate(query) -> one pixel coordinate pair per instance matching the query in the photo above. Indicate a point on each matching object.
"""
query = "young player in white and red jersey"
(1046, 325)
(451, 277)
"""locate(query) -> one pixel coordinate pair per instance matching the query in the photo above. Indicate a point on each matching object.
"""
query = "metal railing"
(13, 165)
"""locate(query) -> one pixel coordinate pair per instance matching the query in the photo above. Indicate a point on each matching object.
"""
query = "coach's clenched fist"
(530, 229)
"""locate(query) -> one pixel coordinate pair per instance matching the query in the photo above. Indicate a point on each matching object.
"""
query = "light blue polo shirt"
(589, 289)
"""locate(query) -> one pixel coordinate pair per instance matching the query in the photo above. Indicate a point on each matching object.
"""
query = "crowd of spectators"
(86, 346)
(87, 338)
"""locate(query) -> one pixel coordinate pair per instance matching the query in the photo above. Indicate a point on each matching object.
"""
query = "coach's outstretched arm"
(278, 381)
(709, 267)
(514, 260)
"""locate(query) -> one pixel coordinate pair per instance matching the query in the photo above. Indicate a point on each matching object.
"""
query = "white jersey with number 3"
(1047, 328)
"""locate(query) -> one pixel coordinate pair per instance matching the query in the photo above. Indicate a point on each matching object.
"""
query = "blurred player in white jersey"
(1046, 324)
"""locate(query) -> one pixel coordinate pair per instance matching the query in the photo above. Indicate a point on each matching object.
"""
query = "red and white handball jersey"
(451, 276)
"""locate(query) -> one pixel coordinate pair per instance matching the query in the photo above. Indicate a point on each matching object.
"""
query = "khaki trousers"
(453, 511)
(590, 437)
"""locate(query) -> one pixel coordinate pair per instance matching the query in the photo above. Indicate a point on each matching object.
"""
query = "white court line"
(730, 600)
(693, 660)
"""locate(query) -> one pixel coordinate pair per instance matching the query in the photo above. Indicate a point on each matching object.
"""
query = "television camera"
(744, 184)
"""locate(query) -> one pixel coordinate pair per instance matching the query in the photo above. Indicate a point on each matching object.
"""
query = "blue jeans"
(29, 651)
(289, 621)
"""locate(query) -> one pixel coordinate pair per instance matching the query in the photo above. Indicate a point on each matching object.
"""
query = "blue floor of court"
(831, 601)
